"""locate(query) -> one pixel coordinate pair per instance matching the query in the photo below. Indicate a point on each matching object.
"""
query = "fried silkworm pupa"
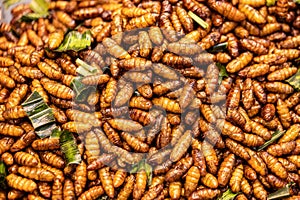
(125, 125)
(204, 193)
(25, 159)
(45, 144)
(181, 146)
(52, 159)
(7, 158)
(226, 169)
(24, 141)
(36, 173)
(126, 191)
(210, 156)
(80, 178)
(259, 191)
(180, 168)
(274, 165)
(107, 182)
(140, 184)
(227, 10)
(21, 183)
(175, 190)
(239, 63)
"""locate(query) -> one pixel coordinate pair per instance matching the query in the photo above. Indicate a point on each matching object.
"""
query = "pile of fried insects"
(134, 99)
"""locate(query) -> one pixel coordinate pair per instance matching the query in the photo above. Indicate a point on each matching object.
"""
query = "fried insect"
(80, 116)
(294, 159)
(237, 149)
(16, 112)
(274, 165)
(21, 183)
(283, 113)
(175, 190)
(252, 14)
(167, 104)
(127, 189)
(204, 193)
(236, 178)
(6, 143)
(225, 170)
(56, 89)
(80, 178)
(57, 189)
(77, 127)
(135, 143)
(55, 39)
(210, 156)
(107, 182)
(259, 191)
(180, 168)
(227, 10)
(52, 159)
(16, 96)
(68, 190)
(181, 146)
(25, 159)
(45, 144)
(140, 184)
(239, 63)
(143, 21)
(92, 193)
(125, 125)
(10, 130)
(36, 173)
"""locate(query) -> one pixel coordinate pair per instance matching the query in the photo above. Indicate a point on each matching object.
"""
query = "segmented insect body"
(36, 173)
(210, 181)
(279, 87)
(10, 130)
(55, 39)
(237, 149)
(21, 183)
(259, 191)
(57, 189)
(127, 189)
(6, 143)
(68, 190)
(204, 193)
(175, 190)
(252, 14)
(140, 184)
(56, 89)
(52, 159)
(225, 170)
(180, 168)
(16, 112)
(274, 165)
(283, 113)
(282, 74)
(239, 63)
(49, 71)
(167, 104)
(135, 143)
(210, 156)
(142, 21)
(227, 10)
(107, 181)
(80, 178)
(114, 49)
(181, 146)
(236, 179)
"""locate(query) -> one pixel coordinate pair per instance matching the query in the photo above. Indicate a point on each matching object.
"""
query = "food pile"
(170, 99)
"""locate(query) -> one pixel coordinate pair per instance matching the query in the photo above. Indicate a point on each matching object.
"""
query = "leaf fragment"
(40, 115)
(294, 81)
(75, 41)
(69, 148)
